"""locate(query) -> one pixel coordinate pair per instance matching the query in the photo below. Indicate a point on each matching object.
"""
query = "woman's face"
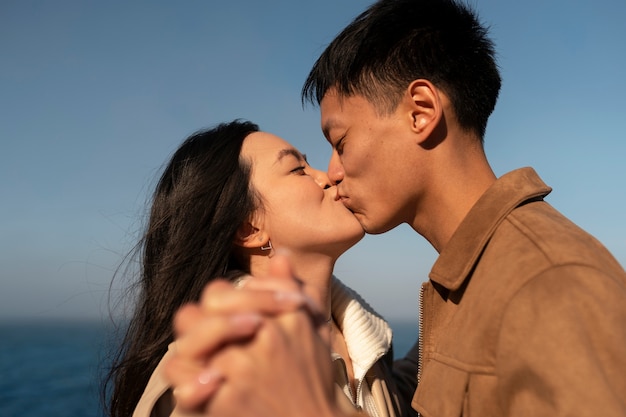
(300, 211)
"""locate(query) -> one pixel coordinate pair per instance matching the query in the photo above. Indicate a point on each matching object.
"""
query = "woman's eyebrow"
(290, 152)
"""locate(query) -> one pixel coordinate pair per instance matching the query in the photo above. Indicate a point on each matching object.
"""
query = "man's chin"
(367, 226)
(371, 228)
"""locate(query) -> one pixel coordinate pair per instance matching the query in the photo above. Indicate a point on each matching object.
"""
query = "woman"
(228, 199)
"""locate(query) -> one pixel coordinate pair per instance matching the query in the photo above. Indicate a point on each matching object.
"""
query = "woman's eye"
(299, 170)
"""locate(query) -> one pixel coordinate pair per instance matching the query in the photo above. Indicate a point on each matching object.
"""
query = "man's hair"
(395, 42)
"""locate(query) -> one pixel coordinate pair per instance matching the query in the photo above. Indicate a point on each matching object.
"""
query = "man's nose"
(335, 169)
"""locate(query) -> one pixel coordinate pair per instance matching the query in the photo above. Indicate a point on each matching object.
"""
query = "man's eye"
(339, 146)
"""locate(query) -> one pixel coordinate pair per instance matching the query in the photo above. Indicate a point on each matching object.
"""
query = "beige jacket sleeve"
(157, 399)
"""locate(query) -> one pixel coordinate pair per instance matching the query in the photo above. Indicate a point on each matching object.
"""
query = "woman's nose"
(321, 178)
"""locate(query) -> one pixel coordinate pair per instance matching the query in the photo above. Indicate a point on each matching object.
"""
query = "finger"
(280, 267)
(285, 301)
(280, 276)
(287, 345)
(272, 283)
(302, 324)
(323, 328)
(220, 297)
(179, 370)
(186, 318)
(193, 386)
(200, 335)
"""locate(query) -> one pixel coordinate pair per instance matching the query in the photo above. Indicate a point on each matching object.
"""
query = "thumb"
(279, 276)
(280, 267)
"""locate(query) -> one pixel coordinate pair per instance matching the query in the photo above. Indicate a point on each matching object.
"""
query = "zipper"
(372, 410)
(420, 337)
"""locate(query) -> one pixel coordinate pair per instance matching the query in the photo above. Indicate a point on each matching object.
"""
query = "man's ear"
(426, 108)
(251, 237)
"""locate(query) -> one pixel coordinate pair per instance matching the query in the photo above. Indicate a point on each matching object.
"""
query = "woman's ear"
(249, 236)
(426, 108)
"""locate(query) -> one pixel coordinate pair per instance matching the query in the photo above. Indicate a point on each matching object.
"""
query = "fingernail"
(209, 376)
(246, 321)
(311, 304)
(289, 297)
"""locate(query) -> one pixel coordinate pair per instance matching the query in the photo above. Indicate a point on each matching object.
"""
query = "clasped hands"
(259, 350)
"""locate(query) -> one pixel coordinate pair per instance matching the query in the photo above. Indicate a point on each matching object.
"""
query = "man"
(524, 313)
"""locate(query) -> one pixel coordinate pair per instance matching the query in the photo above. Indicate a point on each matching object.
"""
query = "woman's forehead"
(263, 146)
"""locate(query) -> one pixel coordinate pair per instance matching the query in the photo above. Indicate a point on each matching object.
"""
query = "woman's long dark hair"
(200, 201)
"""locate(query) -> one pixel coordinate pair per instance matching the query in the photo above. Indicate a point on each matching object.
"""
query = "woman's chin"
(349, 243)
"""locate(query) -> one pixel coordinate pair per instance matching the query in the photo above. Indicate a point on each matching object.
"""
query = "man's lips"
(344, 200)
(338, 196)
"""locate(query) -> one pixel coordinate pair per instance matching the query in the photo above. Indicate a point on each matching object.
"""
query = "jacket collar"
(469, 240)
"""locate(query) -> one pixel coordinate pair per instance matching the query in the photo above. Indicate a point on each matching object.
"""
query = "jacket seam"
(462, 366)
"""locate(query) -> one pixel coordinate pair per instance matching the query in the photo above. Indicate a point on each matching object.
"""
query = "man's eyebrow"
(328, 125)
(290, 152)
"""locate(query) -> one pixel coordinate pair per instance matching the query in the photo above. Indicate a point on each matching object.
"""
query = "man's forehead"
(331, 107)
(329, 123)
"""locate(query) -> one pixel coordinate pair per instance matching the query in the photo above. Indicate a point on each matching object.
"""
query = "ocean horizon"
(54, 368)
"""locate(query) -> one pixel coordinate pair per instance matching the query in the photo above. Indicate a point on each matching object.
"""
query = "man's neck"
(457, 185)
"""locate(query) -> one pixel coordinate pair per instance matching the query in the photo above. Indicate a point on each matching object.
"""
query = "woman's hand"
(226, 342)
(284, 370)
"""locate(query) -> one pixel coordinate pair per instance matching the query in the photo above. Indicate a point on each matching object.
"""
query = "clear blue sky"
(94, 97)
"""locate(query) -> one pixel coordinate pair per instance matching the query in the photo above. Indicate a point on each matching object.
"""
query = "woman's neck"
(313, 270)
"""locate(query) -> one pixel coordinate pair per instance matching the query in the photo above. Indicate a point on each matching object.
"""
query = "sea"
(54, 368)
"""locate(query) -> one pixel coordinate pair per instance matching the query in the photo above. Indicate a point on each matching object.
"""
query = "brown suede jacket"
(524, 314)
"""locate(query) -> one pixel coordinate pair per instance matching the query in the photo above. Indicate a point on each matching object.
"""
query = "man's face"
(373, 161)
